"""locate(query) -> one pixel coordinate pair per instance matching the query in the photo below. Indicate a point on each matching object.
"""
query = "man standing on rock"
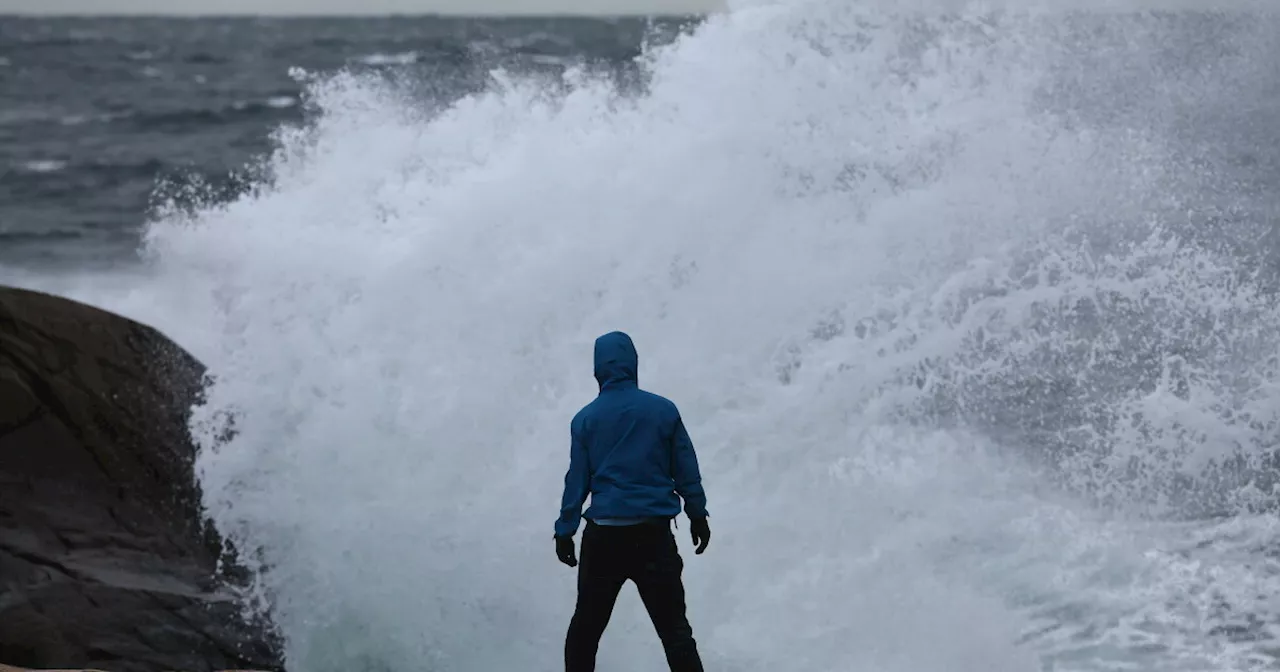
(629, 450)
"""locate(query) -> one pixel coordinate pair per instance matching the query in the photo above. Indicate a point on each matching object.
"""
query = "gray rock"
(106, 560)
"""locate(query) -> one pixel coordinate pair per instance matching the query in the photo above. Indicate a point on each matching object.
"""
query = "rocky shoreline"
(106, 560)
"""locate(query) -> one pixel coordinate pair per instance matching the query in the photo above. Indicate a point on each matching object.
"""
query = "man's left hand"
(564, 551)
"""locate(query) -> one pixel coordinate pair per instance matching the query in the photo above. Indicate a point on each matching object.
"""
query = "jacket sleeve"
(685, 471)
(577, 481)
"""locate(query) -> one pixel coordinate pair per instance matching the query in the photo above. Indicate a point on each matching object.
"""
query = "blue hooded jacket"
(628, 449)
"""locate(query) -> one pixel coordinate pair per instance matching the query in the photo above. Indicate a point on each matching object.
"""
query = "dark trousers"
(647, 555)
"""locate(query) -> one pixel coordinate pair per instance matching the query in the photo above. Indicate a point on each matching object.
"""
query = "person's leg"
(600, 578)
(661, 588)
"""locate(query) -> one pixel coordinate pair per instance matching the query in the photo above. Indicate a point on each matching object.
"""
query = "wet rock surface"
(105, 560)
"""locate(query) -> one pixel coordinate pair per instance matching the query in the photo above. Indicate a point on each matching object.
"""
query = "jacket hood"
(616, 361)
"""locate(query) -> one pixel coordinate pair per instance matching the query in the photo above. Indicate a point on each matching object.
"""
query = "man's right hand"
(564, 551)
(700, 530)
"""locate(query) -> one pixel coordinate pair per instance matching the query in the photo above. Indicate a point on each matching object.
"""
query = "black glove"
(564, 551)
(700, 530)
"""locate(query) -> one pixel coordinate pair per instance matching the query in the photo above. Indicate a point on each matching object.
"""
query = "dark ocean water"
(100, 117)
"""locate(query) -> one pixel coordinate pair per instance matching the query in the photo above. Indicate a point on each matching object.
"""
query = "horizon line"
(1036, 6)
(353, 15)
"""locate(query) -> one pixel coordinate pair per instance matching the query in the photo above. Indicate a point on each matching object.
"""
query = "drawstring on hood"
(616, 362)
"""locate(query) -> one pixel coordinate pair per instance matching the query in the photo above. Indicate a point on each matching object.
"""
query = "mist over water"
(971, 316)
